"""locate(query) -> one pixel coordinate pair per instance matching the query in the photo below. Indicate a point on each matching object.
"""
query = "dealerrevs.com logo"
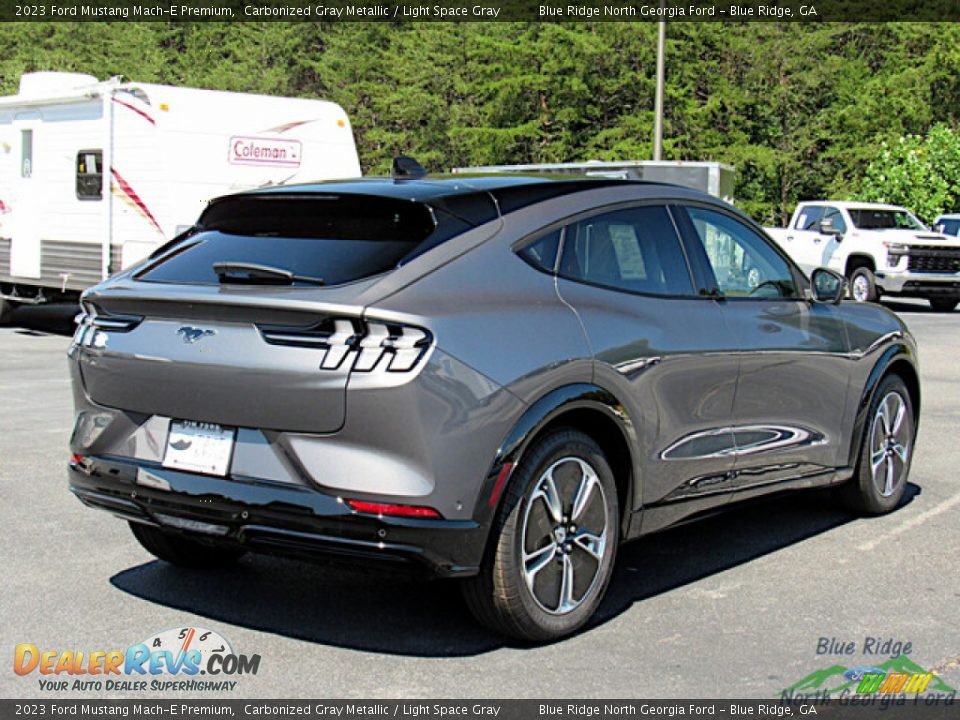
(187, 659)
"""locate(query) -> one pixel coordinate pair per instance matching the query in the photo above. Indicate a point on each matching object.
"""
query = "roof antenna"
(406, 168)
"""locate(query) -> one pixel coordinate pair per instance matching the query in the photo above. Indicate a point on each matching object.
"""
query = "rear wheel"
(943, 304)
(182, 551)
(6, 309)
(886, 451)
(863, 285)
(553, 542)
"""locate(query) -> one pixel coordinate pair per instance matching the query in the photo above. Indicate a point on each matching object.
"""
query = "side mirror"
(827, 228)
(826, 286)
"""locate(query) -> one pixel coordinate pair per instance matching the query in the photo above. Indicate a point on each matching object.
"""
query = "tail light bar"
(92, 319)
(364, 345)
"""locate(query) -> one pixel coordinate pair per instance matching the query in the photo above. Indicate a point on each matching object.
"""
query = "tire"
(182, 551)
(863, 285)
(877, 488)
(943, 304)
(525, 599)
(6, 310)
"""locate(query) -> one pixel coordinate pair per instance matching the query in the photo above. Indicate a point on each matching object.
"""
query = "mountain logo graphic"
(896, 675)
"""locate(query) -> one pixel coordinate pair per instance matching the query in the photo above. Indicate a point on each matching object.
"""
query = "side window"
(542, 253)
(832, 213)
(809, 219)
(636, 249)
(90, 175)
(742, 261)
(951, 227)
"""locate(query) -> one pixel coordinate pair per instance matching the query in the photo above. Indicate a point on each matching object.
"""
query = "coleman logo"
(264, 151)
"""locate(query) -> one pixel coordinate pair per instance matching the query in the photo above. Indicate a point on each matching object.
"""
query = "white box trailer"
(710, 177)
(95, 175)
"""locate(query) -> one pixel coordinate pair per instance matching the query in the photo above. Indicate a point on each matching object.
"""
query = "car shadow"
(898, 306)
(347, 607)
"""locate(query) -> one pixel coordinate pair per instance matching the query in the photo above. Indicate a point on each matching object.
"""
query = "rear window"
(336, 238)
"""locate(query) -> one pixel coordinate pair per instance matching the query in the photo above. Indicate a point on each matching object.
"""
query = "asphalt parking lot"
(733, 606)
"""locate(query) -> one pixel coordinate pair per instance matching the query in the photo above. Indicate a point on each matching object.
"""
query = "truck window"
(834, 214)
(951, 227)
(809, 219)
(871, 219)
(90, 175)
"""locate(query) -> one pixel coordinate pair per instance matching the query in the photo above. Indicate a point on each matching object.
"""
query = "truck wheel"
(863, 285)
(943, 304)
(6, 308)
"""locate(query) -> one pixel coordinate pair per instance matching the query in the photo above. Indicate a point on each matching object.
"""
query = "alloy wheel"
(565, 535)
(889, 444)
(861, 288)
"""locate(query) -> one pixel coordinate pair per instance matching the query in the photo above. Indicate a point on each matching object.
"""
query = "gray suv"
(497, 379)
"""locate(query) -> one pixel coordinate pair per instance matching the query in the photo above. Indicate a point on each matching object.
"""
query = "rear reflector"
(393, 510)
(498, 486)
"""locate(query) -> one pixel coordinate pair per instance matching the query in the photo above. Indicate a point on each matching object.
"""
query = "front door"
(788, 411)
(662, 348)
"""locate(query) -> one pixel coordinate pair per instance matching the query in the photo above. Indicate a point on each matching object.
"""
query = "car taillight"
(364, 345)
(92, 320)
(372, 508)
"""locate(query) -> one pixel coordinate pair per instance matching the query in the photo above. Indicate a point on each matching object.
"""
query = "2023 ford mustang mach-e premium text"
(497, 378)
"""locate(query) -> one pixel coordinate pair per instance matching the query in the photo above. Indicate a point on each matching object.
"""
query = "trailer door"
(23, 219)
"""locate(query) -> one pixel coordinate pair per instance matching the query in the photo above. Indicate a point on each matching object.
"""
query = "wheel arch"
(858, 260)
(898, 359)
(586, 407)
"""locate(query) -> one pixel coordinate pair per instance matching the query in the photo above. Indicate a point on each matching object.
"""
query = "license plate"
(199, 447)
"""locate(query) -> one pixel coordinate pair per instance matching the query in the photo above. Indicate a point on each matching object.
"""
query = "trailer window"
(26, 156)
(90, 175)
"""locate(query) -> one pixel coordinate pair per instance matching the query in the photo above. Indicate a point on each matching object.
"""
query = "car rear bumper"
(273, 518)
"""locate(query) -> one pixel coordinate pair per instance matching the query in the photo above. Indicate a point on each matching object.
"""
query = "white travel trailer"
(95, 175)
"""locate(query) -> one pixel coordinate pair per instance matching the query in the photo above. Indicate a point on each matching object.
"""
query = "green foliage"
(802, 109)
(920, 172)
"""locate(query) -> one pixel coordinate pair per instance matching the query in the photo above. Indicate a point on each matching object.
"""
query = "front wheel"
(183, 551)
(553, 542)
(886, 451)
(863, 285)
(943, 304)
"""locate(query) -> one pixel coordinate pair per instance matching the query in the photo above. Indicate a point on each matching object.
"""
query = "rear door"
(660, 347)
(788, 412)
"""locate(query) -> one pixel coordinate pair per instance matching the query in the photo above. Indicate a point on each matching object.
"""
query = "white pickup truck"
(880, 249)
